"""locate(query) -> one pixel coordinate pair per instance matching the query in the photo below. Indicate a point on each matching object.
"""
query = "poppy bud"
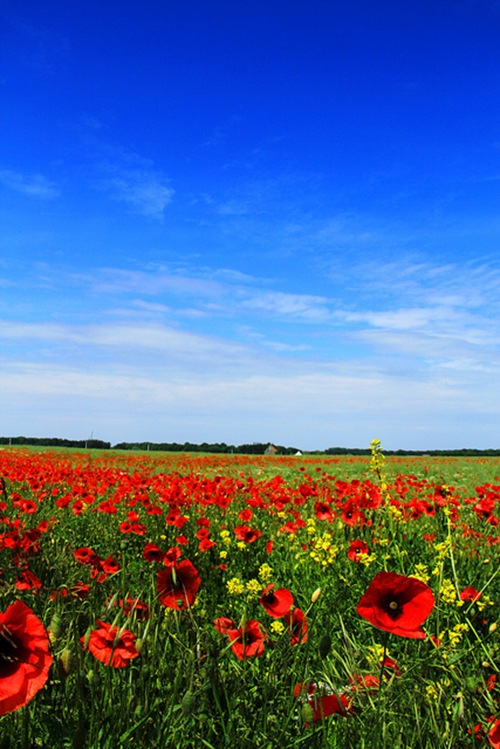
(188, 703)
(94, 678)
(315, 595)
(65, 663)
(493, 627)
(307, 713)
(139, 644)
(54, 629)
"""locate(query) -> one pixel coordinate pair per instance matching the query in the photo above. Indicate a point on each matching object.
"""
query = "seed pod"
(55, 629)
(307, 713)
(188, 703)
(94, 678)
(66, 663)
(315, 595)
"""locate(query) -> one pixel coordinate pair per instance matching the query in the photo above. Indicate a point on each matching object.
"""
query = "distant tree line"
(253, 448)
(55, 442)
(464, 451)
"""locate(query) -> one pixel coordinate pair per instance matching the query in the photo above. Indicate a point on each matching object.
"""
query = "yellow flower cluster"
(484, 601)
(421, 572)
(235, 587)
(366, 559)
(225, 537)
(443, 549)
(265, 572)
(432, 692)
(396, 513)
(377, 653)
(323, 550)
(311, 526)
(277, 627)
(455, 635)
(254, 587)
(447, 592)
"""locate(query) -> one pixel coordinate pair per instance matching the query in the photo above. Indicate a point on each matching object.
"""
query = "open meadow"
(184, 600)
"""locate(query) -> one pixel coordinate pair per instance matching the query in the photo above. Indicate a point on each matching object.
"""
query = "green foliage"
(187, 688)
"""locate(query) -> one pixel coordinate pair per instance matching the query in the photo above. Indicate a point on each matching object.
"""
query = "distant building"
(270, 450)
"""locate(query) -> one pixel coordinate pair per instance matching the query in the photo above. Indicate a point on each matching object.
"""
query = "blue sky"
(244, 222)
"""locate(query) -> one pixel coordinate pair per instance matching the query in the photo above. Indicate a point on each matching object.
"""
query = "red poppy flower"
(112, 646)
(152, 553)
(494, 734)
(355, 549)
(85, 555)
(177, 585)
(171, 556)
(27, 580)
(246, 534)
(277, 603)
(470, 594)
(206, 544)
(323, 511)
(25, 658)
(110, 566)
(297, 625)
(247, 641)
(223, 624)
(397, 604)
(134, 606)
(322, 700)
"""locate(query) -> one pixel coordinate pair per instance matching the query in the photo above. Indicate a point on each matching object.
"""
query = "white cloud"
(33, 185)
(145, 191)
(127, 177)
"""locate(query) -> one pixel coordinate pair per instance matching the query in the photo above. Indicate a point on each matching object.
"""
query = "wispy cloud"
(126, 176)
(33, 185)
(143, 189)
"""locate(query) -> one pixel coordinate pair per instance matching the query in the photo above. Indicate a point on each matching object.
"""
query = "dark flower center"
(9, 650)
(394, 609)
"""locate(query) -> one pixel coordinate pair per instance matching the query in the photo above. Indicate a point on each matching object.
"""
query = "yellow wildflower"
(235, 586)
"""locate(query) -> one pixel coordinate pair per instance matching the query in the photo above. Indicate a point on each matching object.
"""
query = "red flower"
(171, 556)
(297, 625)
(246, 534)
(355, 549)
(277, 603)
(25, 658)
(223, 624)
(247, 641)
(27, 580)
(85, 555)
(470, 594)
(152, 553)
(110, 566)
(206, 544)
(134, 605)
(397, 604)
(112, 646)
(494, 734)
(177, 585)
(322, 700)
(367, 681)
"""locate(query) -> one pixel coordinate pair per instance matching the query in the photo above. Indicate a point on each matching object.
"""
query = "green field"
(217, 600)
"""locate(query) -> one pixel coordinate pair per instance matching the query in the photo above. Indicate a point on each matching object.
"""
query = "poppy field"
(172, 600)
